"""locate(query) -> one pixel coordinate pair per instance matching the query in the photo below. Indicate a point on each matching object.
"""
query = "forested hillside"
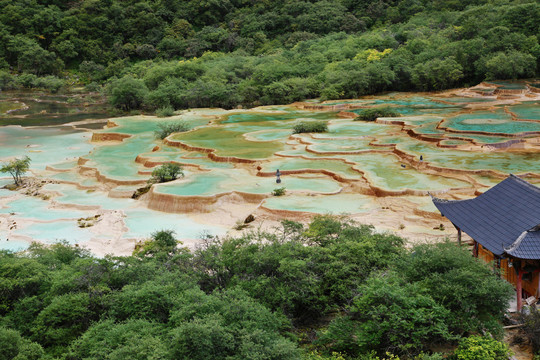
(179, 54)
(332, 289)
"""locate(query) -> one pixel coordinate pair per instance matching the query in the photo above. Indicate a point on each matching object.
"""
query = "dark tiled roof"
(529, 248)
(497, 218)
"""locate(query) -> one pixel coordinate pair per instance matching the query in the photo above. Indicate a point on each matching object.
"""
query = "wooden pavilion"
(504, 223)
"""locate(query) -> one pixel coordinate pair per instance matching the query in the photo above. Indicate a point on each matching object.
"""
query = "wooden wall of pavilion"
(530, 280)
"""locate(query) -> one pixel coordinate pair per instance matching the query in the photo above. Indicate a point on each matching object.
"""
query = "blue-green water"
(261, 140)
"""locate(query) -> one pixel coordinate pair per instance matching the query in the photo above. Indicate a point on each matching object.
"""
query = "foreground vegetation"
(330, 290)
(170, 55)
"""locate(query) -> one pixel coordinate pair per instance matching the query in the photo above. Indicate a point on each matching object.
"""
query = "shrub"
(93, 87)
(7, 81)
(306, 281)
(161, 244)
(373, 113)
(166, 172)
(482, 348)
(127, 93)
(165, 130)
(27, 80)
(132, 339)
(476, 297)
(226, 325)
(63, 320)
(51, 83)
(279, 191)
(14, 346)
(310, 126)
(390, 315)
(165, 111)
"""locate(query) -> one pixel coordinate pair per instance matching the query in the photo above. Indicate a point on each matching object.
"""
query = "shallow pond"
(339, 171)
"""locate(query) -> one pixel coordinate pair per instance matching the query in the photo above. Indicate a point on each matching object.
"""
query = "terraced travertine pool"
(451, 144)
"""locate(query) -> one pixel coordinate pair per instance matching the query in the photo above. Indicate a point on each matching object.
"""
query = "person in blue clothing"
(278, 179)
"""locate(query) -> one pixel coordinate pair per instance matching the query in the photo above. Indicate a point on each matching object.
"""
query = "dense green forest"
(166, 54)
(332, 289)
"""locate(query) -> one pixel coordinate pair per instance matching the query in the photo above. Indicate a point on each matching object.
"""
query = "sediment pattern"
(457, 142)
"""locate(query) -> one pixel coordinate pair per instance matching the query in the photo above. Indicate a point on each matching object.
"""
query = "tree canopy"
(224, 53)
(16, 168)
(331, 289)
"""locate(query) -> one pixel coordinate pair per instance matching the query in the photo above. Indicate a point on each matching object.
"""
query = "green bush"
(127, 93)
(237, 297)
(166, 172)
(279, 191)
(306, 281)
(482, 348)
(27, 80)
(63, 320)
(310, 126)
(165, 111)
(161, 246)
(165, 130)
(7, 81)
(389, 315)
(373, 113)
(150, 301)
(133, 339)
(13, 346)
(92, 87)
(227, 324)
(51, 83)
(476, 297)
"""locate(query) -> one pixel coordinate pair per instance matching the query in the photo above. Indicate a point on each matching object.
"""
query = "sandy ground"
(518, 344)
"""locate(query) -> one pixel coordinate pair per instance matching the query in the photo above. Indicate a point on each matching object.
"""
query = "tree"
(226, 325)
(134, 339)
(162, 246)
(166, 172)
(19, 278)
(16, 347)
(63, 320)
(437, 74)
(128, 93)
(17, 168)
(511, 65)
(7, 81)
(476, 297)
(389, 315)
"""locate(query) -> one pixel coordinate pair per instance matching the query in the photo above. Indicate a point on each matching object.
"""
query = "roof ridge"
(524, 182)
(517, 243)
(439, 200)
(510, 249)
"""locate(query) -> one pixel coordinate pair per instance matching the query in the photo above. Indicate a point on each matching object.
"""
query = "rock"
(249, 219)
